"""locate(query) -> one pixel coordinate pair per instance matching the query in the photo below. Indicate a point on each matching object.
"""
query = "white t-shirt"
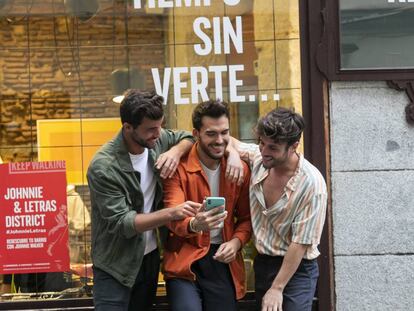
(213, 177)
(148, 182)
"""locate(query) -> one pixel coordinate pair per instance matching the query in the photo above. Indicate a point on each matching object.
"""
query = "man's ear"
(295, 146)
(127, 127)
(196, 133)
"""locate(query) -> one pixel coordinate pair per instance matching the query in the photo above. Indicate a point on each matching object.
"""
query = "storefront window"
(63, 62)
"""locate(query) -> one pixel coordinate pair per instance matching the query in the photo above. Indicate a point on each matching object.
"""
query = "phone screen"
(213, 202)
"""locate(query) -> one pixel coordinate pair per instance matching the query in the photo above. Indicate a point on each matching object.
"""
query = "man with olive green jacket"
(126, 197)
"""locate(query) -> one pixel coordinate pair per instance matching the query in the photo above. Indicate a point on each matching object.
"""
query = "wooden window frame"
(330, 53)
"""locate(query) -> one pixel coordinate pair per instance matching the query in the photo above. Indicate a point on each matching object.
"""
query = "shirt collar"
(193, 161)
(262, 173)
(122, 153)
(123, 157)
(294, 180)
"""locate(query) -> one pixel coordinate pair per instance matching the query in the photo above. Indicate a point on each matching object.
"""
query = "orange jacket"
(183, 247)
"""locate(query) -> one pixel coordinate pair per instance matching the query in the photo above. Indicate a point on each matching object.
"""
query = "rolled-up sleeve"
(249, 152)
(243, 226)
(170, 138)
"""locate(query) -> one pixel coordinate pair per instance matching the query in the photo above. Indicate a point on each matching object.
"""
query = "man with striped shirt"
(288, 200)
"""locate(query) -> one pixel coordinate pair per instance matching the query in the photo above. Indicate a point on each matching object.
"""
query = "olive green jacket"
(116, 198)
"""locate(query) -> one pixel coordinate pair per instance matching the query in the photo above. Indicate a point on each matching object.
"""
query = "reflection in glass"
(376, 34)
(248, 115)
(61, 65)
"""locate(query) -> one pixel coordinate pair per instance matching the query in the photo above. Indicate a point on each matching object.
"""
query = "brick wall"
(59, 67)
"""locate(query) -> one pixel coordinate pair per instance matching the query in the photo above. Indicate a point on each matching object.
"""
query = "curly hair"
(282, 125)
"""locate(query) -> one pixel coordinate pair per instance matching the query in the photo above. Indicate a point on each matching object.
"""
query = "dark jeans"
(110, 295)
(213, 289)
(298, 293)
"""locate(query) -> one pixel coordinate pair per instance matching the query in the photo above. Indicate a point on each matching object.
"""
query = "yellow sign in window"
(75, 141)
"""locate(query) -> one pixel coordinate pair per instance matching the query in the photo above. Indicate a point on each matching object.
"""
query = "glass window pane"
(96, 65)
(14, 73)
(15, 107)
(376, 34)
(61, 66)
(54, 70)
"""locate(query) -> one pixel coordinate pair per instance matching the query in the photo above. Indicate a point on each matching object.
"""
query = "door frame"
(315, 107)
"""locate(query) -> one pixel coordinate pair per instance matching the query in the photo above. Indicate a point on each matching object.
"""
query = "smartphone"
(213, 202)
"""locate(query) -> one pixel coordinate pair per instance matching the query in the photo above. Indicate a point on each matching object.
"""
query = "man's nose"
(264, 150)
(158, 133)
(220, 139)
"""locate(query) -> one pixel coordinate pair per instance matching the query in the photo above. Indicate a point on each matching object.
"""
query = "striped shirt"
(298, 216)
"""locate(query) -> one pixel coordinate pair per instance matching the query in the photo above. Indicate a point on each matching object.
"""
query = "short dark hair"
(282, 125)
(211, 108)
(138, 105)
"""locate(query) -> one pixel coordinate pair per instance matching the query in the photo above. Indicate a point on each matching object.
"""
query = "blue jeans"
(213, 289)
(299, 291)
(110, 295)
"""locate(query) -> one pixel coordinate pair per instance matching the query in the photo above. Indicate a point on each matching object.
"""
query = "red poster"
(33, 217)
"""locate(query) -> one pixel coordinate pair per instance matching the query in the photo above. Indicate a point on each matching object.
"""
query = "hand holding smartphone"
(216, 202)
(213, 202)
(212, 217)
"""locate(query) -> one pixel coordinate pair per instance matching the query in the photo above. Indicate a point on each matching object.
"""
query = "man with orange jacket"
(203, 264)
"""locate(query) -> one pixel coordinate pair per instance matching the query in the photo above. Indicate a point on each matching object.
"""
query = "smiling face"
(275, 154)
(143, 136)
(213, 136)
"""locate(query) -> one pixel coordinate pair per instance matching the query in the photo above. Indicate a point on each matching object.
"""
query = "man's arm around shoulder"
(175, 144)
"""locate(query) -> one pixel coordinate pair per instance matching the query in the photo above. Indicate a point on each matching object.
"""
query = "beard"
(209, 153)
(274, 162)
(144, 143)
